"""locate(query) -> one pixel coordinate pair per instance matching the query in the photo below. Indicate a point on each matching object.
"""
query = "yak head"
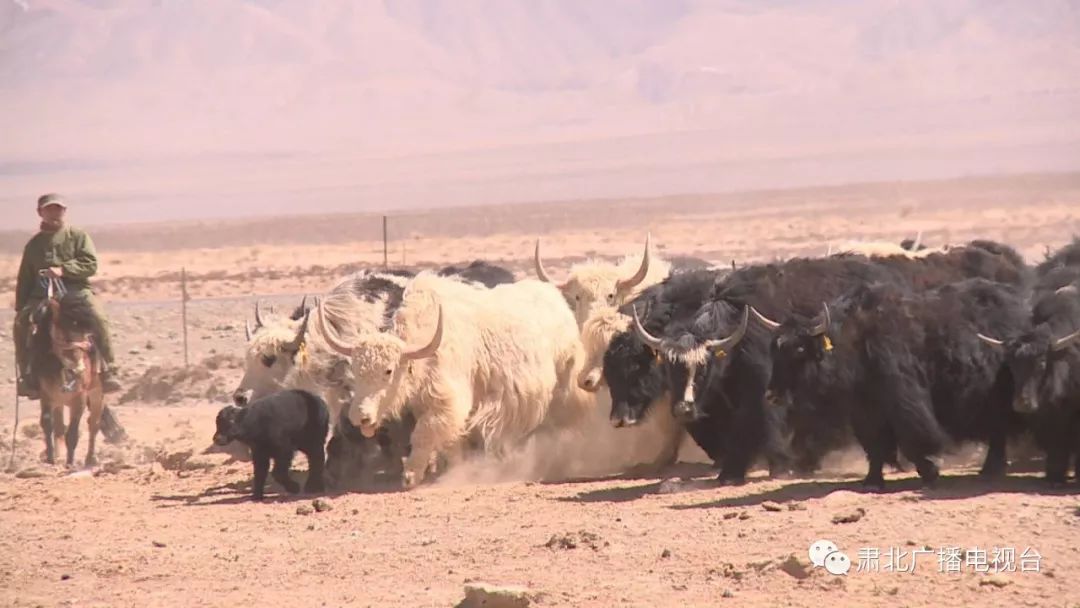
(691, 360)
(800, 345)
(229, 424)
(272, 349)
(1039, 360)
(635, 376)
(596, 335)
(383, 372)
(593, 285)
(1038, 364)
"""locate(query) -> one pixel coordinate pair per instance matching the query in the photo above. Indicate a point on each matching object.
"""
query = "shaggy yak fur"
(728, 385)
(275, 427)
(908, 369)
(1044, 362)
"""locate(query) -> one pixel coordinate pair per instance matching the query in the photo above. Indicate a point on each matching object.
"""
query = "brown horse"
(67, 369)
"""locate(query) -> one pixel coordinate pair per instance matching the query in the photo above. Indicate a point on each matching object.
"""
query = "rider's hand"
(55, 272)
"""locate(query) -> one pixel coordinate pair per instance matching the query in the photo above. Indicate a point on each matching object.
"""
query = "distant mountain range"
(223, 107)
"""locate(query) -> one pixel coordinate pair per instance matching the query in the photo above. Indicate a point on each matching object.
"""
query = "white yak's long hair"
(353, 309)
(514, 347)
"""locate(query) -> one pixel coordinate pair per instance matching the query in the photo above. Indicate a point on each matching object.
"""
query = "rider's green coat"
(68, 248)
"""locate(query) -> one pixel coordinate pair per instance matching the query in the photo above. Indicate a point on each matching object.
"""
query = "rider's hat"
(51, 198)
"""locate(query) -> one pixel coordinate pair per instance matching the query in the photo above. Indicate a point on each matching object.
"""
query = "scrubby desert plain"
(160, 523)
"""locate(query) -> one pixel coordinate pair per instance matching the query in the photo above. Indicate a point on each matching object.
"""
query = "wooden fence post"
(183, 310)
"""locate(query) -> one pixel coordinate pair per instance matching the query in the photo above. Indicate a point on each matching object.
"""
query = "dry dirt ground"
(159, 523)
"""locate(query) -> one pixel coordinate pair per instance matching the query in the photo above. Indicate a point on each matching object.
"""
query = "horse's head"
(62, 330)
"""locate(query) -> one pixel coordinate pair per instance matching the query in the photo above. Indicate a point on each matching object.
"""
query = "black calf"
(275, 427)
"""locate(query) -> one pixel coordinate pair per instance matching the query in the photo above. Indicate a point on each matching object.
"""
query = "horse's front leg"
(96, 408)
(47, 429)
(77, 405)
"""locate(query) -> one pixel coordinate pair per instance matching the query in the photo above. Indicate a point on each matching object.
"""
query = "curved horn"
(258, 317)
(915, 243)
(303, 301)
(300, 333)
(247, 330)
(1063, 343)
(642, 271)
(989, 340)
(539, 265)
(826, 321)
(432, 346)
(766, 321)
(730, 341)
(1067, 289)
(341, 349)
(650, 340)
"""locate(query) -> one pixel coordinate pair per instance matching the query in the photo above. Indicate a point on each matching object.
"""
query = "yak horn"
(301, 332)
(642, 272)
(341, 349)
(247, 330)
(1063, 343)
(730, 341)
(539, 265)
(650, 340)
(766, 321)
(826, 321)
(989, 340)
(432, 346)
(258, 316)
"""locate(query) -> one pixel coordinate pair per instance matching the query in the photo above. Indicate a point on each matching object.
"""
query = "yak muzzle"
(591, 382)
(241, 396)
(686, 411)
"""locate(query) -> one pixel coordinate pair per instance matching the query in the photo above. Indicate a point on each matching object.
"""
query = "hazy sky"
(239, 107)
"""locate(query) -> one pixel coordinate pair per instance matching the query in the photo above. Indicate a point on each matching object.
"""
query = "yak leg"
(47, 429)
(911, 415)
(280, 473)
(316, 463)
(72, 438)
(260, 457)
(433, 431)
(877, 441)
(995, 464)
(878, 453)
(1057, 463)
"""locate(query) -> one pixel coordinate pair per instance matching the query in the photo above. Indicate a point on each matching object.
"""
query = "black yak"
(908, 369)
(1044, 364)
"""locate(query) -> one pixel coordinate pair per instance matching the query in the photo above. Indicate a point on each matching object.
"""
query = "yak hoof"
(874, 483)
(731, 480)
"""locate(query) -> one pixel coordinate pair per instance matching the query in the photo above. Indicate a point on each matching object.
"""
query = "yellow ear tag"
(827, 342)
(720, 354)
(302, 355)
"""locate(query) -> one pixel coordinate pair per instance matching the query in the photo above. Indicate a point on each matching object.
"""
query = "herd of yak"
(904, 349)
